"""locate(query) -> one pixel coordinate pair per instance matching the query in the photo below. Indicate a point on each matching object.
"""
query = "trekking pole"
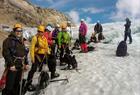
(21, 82)
(22, 76)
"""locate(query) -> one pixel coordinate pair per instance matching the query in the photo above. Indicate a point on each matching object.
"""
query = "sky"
(93, 10)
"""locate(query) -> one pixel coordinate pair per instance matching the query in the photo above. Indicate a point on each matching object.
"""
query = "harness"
(37, 45)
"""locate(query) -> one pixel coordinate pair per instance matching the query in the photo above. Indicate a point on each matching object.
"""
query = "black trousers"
(128, 34)
(45, 60)
(12, 83)
(82, 39)
(62, 51)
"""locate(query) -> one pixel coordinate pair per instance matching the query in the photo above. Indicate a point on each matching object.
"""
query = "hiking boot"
(62, 64)
(55, 75)
(31, 87)
(130, 42)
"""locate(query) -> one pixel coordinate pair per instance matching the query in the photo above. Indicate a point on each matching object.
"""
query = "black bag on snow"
(43, 79)
(70, 59)
(101, 36)
(90, 48)
(121, 49)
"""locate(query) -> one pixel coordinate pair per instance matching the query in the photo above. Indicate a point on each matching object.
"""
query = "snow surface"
(101, 72)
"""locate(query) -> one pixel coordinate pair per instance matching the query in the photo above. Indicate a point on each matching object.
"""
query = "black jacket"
(14, 51)
(98, 28)
(127, 26)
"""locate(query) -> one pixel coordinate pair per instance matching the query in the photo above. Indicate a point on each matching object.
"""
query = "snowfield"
(100, 71)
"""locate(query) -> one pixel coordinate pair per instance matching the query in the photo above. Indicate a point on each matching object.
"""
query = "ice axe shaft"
(59, 80)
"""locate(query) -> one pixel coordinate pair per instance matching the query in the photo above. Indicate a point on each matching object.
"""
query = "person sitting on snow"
(97, 30)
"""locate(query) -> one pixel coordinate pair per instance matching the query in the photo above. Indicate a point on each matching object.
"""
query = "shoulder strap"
(13, 46)
(37, 43)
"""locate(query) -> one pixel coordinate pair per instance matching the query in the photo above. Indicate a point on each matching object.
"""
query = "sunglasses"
(18, 31)
(40, 32)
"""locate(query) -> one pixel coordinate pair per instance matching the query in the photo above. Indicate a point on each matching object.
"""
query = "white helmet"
(69, 22)
(98, 21)
(57, 25)
(82, 20)
(49, 28)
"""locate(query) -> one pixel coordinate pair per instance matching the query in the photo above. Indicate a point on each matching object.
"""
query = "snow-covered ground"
(101, 72)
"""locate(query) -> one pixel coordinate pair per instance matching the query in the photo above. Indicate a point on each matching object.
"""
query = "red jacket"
(48, 36)
(83, 29)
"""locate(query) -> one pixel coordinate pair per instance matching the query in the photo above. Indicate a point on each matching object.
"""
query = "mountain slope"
(12, 11)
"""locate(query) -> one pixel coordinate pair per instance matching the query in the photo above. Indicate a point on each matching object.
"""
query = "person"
(63, 41)
(82, 36)
(39, 50)
(55, 32)
(98, 29)
(127, 32)
(69, 29)
(48, 35)
(16, 60)
(54, 37)
(51, 56)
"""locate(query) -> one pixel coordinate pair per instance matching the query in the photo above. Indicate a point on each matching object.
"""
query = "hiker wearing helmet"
(51, 56)
(55, 32)
(15, 55)
(82, 36)
(127, 30)
(63, 41)
(69, 28)
(54, 36)
(38, 51)
(48, 35)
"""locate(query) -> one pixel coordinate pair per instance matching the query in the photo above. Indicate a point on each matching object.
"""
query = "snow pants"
(128, 34)
(12, 83)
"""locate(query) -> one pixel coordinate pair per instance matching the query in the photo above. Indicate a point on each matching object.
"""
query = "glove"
(59, 47)
(26, 67)
(13, 68)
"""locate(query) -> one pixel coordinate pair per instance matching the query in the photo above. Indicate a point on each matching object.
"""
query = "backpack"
(121, 49)
(70, 59)
(43, 79)
(101, 36)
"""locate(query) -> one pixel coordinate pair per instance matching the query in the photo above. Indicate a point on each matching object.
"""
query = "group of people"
(98, 29)
(83, 32)
(42, 51)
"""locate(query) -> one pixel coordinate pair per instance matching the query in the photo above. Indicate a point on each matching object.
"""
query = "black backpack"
(121, 49)
(43, 79)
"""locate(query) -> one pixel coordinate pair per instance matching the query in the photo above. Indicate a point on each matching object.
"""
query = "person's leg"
(31, 73)
(125, 36)
(17, 82)
(61, 55)
(11, 75)
(130, 38)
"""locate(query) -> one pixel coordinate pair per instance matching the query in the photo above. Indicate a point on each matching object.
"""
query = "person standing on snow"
(51, 56)
(82, 36)
(63, 41)
(69, 28)
(55, 32)
(54, 37)
(127, 32)
(15, 55)
(38, 51)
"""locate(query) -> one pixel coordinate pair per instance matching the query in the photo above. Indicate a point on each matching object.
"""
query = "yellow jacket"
(39, 45)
